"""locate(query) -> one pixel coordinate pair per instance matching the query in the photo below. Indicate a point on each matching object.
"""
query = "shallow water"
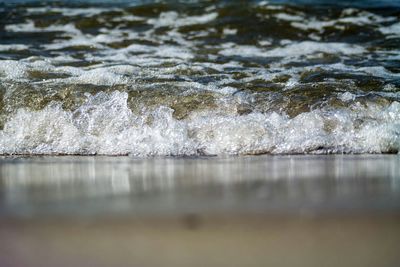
(201, 78)
(315, 210)
(72, 187)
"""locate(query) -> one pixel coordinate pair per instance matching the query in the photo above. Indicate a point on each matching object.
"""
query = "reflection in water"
(115, 185)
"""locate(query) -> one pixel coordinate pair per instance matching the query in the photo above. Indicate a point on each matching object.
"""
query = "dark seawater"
(151, 78)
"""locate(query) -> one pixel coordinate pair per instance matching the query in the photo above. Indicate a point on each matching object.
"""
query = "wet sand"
(235, 211)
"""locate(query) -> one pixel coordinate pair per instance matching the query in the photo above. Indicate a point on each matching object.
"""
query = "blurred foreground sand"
(236, 211)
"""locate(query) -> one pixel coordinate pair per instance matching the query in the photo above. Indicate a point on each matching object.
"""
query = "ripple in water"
(201, 78)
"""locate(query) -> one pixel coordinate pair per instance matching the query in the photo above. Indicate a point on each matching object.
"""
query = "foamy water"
(199, 79)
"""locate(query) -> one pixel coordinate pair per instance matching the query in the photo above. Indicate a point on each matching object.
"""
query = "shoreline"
(237, 211)
(119, 186)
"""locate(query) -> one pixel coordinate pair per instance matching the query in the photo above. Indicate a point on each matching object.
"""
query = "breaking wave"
(105, 124)
(201, 78)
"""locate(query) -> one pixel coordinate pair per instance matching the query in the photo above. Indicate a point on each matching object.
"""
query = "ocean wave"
(198, 78)
(105, 124)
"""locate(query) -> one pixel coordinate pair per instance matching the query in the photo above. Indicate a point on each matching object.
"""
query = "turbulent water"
(199, 78)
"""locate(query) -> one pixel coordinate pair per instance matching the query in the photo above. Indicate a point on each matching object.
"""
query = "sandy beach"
(234, 211)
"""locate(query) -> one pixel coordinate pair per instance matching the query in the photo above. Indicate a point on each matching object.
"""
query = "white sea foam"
(128, 18)
(348, 16)
(314, 24)
(379, 71)
(21, 27)
(29, 26)
(13, 47)
(228, 31)
(294, 49)
(81, 41)
(12, 69)
(347, 96)
(309, 47)
(173, 19)
(243, 50)
(174, 52)
(267, 5)
(393, 30)
(65, 11)
(264, 42)
(105, 125)
(99, 76)
(288, 17)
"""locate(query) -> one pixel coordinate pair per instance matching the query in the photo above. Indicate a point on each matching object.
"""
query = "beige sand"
(203, 241)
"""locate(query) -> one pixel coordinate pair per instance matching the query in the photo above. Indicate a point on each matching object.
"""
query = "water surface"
(267, 185)
(151, 78)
